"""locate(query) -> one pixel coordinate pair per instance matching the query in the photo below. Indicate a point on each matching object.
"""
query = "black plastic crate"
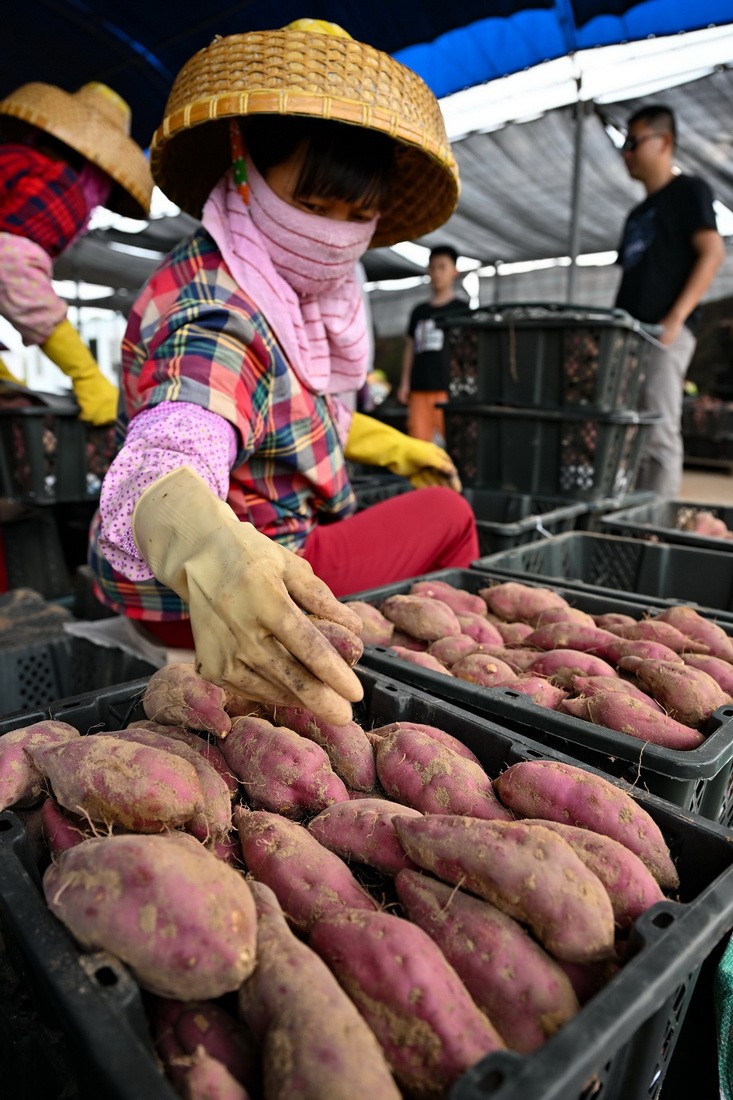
(621, 1042)
(665, 520)
(49, 457)
(578, 454)
(504, 520)
(33, 554)
(547, 355)
(660, 573)
(374, 488)
(697, 780)
(593, 519)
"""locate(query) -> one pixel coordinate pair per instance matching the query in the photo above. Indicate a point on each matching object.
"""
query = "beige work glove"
(379, 444)
(245, 594)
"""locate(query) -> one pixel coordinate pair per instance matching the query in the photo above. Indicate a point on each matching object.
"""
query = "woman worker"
(62, 156)
(227, 512)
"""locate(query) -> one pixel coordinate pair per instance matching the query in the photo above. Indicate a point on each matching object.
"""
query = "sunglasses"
(633, 143)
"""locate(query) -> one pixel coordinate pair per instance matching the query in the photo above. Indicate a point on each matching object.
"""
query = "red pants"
(403, 537)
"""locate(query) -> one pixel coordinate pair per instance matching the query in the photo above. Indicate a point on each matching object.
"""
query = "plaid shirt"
(195, 336)
(40, 198)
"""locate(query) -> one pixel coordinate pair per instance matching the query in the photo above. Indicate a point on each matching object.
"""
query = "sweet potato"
(114, 782)
(456, 598)
(307, 879)
(629, 883)
(641, 649)
(347, 747)
(177, 696)
(449, 650)
(513, 633)
(208, 1079)
(21, 783)
(60, 832)
(346, 643)
(185, 1028)
(421, 616)
(362, 830)
(568, 635)
(655, 630)
(482, 669)
(423, 660)
(280, 770)
(444, 738)
(566, 615)
(514, 601)
(518, 659)
(406, 641)
(479, 628)
(211, 753)
(611, 619)
(375, 629)
(520, 988)
(687, 694)
(622, 712)
(182, 920)
(214, 820)
(315, 1044)
(561, 792)
(570, 661)
(691, 623)
(527, 872)
(588, 978)
(721, 671)
(601, 685)
(416, 770)
(428, 1026)
(539, 690)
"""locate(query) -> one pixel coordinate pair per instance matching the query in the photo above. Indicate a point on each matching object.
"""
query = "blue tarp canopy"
(138, 46)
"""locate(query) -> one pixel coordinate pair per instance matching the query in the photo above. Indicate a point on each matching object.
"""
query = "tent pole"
(580, 116)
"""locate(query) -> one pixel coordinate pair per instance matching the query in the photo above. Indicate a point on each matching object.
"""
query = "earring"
(239, 165)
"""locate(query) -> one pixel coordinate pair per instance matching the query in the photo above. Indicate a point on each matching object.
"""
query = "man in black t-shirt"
(423, 384)
(670, 252)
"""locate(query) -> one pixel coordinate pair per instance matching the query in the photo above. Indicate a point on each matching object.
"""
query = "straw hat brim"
(59, 114)
(311, 75)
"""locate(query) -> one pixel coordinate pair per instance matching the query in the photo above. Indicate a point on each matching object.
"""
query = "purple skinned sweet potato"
(518, 658)
(483, 669)
(424, 1018)
(564, 635)
(60, 831)
(363, 830)
(449, 650)
(612, 619)
(600, 685)
(624, 713)
(587, 979)
(539, 690)
(406, 641)
(421, 616)
(177, 696)
(513, 633)
(479, 628)
(375, 630)
(641, 649)
(522, 990)
(720, 670)
(691, 622)
(21, 783)
(347, 747)
(654, 630)
(517, 602)
(563, 660)
(527, 872)
(182, 1028)
(210, 752)
(307, 879)
(566, 615)
(423, 660)
(437, 734)
(561, 792)
(629, 883)
(456, 598)
(280, 770)
(416, 770)
(687, 694)
(347, 644)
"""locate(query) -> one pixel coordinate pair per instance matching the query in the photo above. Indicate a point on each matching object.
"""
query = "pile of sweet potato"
(659, 678)
(307, 906)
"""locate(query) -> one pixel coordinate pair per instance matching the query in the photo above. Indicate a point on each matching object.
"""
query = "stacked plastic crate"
(543, 403)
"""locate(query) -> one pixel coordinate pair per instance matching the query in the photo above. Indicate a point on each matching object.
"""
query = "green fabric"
(724, 1021)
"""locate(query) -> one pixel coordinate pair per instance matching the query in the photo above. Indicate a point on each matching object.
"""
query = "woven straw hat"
(317, 71)
(95, 122)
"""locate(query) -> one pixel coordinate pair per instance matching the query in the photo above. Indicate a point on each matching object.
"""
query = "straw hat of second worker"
(95, 122)
(315, 70)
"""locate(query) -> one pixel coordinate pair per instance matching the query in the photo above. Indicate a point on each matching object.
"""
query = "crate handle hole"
(492, 1081)
(5, 825)
(106, 976)
(663, 920)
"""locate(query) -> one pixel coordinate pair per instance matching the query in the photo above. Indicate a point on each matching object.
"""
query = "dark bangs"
(341, 161)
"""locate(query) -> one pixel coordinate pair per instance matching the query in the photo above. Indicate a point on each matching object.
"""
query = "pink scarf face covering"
(299, 269)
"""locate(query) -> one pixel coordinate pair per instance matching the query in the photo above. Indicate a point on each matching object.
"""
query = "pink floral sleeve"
(171, 435)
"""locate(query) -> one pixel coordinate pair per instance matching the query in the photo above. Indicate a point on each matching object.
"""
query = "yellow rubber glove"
(6, 375)
(245, 594)
(96, 397)
(378, 444)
